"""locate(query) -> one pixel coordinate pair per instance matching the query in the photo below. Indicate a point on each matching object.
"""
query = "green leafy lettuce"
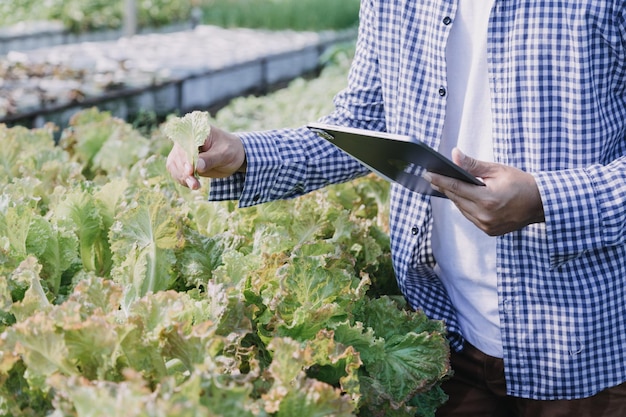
(189, 132)
(124, 293)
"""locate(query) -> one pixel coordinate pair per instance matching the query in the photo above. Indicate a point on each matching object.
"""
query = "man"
(528, 272)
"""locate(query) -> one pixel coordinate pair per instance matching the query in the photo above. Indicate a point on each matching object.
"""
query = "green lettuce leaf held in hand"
(189, 132)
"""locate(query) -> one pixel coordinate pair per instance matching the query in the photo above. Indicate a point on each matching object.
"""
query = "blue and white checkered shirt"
(557, 73)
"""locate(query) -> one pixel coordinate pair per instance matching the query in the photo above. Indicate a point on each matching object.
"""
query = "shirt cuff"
(271, 173)
(572, 214)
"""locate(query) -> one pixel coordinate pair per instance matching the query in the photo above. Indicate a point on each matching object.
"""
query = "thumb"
(200, 165)
(472, 165)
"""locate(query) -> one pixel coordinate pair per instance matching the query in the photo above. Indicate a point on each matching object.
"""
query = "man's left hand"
(509, 200)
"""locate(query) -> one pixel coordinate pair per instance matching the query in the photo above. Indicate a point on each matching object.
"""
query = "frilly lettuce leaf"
(27, 233)
(145, 236)
(295, 394)
(413, 360)
(315, 399)
(22, 148)
(41, 346)
(309, 294)
(189, 132)
(34, 299)
(80, 212)
(124, 147)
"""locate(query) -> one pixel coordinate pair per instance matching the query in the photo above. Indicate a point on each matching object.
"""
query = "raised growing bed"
(160, 73)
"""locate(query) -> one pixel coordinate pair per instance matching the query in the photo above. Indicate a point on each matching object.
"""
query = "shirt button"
(442, 92)
(447, 20)
(256, 198)
(415, 231)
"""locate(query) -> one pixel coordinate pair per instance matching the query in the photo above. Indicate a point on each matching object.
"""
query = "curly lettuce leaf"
(41, 346)
(310, 294)
(14, 227)
(293, 393)
(144, 239)
(315, 399)
(199, 258)
(34, 298)
(123, 148)
(80, 212)
(22, 148)
(412, 359)
(27, 233)
(189, 132)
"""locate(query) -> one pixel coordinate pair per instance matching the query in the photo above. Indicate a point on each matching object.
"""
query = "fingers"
(509, 200)
(180, 169)
(474, 166)
(451, 187)
(221, 155)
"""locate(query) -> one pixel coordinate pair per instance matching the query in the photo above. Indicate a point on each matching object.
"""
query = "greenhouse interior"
(125, 293)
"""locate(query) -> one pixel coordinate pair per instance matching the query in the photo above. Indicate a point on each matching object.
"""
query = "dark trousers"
(478, 389)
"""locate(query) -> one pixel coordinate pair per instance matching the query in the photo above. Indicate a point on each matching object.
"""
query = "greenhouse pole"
(130, 17)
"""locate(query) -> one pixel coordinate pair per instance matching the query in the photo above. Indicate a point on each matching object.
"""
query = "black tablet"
(396, 158)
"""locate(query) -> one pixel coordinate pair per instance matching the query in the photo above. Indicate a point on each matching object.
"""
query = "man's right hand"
(221, 155)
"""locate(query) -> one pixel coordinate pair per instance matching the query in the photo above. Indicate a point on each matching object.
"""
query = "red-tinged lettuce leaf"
(315, 399)
(140, 352)
(161, 310)
(34, 298)
(225, 306)
(311, 295)
(133, 397)
(335, 363)
(200, 394)
(292, 391)
(189, 329)
(68, 338)
(96, 295)
(93, 346)
(42, 348)
(294, 394)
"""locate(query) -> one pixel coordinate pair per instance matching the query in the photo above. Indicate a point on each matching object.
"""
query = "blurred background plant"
(282, 14)
(88, 15)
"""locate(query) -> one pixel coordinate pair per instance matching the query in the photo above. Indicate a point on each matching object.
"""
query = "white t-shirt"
(466, 256)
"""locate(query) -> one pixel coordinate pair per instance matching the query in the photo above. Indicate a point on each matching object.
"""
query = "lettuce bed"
(123, 293)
